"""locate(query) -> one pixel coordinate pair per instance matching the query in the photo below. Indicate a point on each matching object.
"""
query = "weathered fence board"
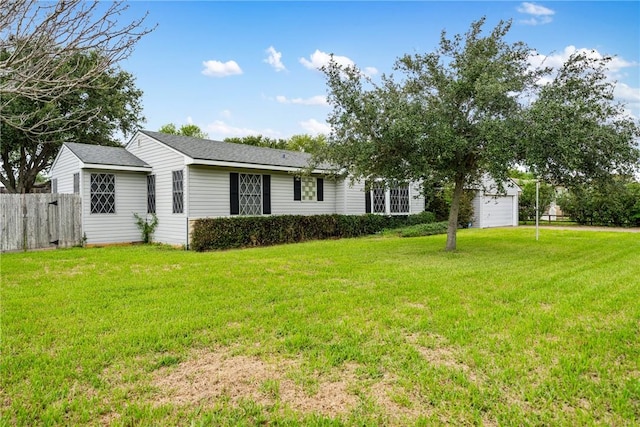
(34, 221)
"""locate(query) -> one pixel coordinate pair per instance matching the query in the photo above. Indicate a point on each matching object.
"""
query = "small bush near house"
(226, 233)
(146, 226)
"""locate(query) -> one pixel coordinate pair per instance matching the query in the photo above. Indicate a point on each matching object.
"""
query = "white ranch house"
(182, 179)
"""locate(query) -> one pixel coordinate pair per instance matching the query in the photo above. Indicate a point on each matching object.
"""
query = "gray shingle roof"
(206, 149)
(103, 155)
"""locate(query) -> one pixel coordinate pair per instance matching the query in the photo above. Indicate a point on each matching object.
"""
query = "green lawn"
(381, 330)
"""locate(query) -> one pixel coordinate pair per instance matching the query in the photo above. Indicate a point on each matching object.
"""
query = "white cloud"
(370, 71)
(319, 59)
(314, 100)
(315, 127)
(225, 114)
(189, 120)
(627, 93)
(535, 9)
(219, 129)
(274, 59)
(556, 60)
(221, 69)
(615, 71)
(539, 15)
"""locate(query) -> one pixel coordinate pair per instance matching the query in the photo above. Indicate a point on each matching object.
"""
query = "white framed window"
(399, 199)
(250, 194)
(177, 179)
(103, 193)
(393, 200)
(379, 198)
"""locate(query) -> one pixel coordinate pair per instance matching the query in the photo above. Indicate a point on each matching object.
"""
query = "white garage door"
(497, 211)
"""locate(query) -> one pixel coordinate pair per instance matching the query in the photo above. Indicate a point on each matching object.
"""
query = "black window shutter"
(266, 194)
(320, 182)
(367, 199)
(297, 188)
(235, 193)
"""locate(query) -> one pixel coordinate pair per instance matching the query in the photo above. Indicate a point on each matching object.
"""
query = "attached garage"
(494, 209)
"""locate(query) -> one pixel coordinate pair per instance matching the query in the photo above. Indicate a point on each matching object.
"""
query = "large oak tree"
(477, 106)
(116, 108)
(59, 80)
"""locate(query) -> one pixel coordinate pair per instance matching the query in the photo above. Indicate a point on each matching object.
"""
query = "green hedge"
(238, 232)
(420, 230)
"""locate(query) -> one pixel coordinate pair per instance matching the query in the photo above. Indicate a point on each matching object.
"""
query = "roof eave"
(242, 165)
(116, 167)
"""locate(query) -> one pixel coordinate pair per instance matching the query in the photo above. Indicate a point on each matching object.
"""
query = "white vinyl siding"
(172, 228)
(416, 199)
(66, 165)
(354, 197)
(209, 194)
(119, 226)
(476, 203)
(282, 202)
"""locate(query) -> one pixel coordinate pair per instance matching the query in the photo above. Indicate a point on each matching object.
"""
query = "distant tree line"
(612, 203)
(303, 142)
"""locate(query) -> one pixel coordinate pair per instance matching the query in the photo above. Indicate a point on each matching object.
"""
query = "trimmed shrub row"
(238, 232)
(420, 230)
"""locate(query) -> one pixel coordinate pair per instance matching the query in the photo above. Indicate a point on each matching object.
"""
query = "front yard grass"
(369, 331)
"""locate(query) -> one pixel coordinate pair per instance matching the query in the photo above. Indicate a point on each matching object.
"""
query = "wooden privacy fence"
(34, 221)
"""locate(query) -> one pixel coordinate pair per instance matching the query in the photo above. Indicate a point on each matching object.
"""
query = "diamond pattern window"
(151, 194)
(399, 199)
(103, 193)
(378, 194)
(178, 191)
(250, 194)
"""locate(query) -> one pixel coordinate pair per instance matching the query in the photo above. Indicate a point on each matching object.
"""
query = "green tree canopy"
(302, 142)
(185, 130)
(116, 108)
(476, 106)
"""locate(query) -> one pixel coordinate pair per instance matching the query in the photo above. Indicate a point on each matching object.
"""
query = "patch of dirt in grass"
(397, 402)
(442, 355)
(208, 377)
(212, 375)
(417, 305)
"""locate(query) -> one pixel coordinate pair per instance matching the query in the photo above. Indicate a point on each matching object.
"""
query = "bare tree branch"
(39, 46)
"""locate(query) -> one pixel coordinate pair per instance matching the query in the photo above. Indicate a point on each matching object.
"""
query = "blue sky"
(241, 68)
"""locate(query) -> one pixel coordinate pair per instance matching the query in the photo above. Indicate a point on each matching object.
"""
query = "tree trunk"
(452, 229)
